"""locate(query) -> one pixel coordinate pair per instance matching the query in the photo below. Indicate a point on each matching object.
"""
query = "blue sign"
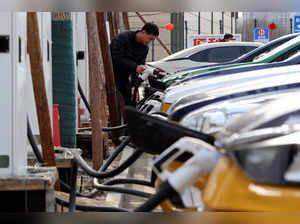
(297, 24)
(261, 34)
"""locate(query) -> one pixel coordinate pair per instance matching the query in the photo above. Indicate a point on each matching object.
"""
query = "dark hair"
(227, 36)
(151, 28)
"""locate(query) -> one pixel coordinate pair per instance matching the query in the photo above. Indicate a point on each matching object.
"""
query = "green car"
(279, 53)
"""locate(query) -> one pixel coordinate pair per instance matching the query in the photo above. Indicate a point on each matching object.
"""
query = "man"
(129, 50)
(227, 37)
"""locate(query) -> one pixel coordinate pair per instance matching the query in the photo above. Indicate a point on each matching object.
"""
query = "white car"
(214, 84)
(204, 54)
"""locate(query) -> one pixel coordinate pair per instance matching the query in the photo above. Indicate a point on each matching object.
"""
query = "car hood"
(174, 94)
(269, 84)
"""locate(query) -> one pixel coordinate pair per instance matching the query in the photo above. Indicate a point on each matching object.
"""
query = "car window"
(201, 56)
(223, 54)
(290, 44)
(266, 50)
(247, 49)
(288, 54)
(219, 54)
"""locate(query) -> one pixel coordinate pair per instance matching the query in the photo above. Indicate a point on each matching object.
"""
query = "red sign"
(198, 41)
(273, 26)
(195, 40)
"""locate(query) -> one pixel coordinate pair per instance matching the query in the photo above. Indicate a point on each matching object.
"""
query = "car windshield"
(294, 55)
(276, 50)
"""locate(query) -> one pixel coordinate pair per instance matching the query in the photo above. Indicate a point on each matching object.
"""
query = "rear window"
(220, 54)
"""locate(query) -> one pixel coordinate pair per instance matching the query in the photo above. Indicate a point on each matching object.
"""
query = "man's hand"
(140, 69)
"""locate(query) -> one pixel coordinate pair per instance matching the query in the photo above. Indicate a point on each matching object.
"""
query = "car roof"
(189, 51)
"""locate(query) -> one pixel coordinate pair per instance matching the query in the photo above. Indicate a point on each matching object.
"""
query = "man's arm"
(120, 58)
(145, 56)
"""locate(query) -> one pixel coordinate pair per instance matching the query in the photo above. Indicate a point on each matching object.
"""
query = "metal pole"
(186, 33)
(199, 23)
(235, 21)
(232, 16)
(212, 23)
(222, 22)
(177, 35)
(291, 25)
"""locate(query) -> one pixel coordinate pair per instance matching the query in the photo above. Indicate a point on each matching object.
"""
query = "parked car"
(227, 74)
(288, 79)
(204, 54)
(213, 80)
(212, 118)
(293, 59)
(252, 54)
(155, 83)
(279, 53)
(257, 160)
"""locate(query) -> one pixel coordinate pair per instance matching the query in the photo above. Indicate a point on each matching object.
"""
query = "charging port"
(4, 44)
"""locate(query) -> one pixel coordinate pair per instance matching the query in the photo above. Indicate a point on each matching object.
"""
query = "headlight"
(209, 122)
(266, 160)
(213, 121)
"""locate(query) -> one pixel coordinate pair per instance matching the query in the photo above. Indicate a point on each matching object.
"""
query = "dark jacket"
(126, 54)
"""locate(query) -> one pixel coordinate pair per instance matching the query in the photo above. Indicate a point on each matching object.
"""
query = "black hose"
(33, 144)
(85, 195)
(87, 208)
(128, 181)
(114, 155)
(41, 160)
(72, 199)
(124, 191)
(116, 128)
(107, 174)
(165, 191)
(106, 129)
(86, 103)
(73, 183)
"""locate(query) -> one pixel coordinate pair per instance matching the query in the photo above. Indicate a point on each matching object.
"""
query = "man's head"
(148, 33)
(228, 37)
